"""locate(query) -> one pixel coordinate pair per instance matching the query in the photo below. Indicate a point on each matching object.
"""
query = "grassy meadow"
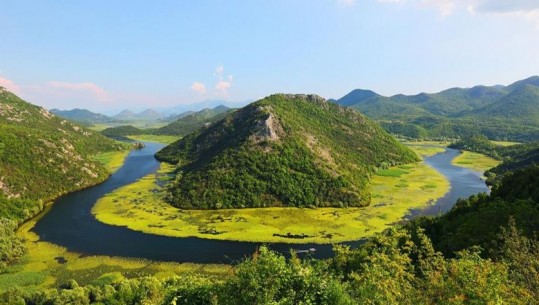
(155, 138)
(475, 161)
(112, 160)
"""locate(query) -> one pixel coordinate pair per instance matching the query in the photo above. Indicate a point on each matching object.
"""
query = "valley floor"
(395, 192)
(475, 161)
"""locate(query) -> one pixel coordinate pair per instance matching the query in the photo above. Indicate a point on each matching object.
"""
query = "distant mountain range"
(181, 124)
(180, 109)
(83, 116)
(499, 112)
(186, 123)
(146, 115)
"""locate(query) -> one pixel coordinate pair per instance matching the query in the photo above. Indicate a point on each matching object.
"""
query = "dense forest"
(41, 157)
(284, 150)
(484, 251)
(498, 112)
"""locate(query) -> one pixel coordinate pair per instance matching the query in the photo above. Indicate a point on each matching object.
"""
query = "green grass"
(395, 172)
(504, 143)
(392, 198)
(427, 148)
(112, 160)
(475, 161)
(137, 124)
(155, 138)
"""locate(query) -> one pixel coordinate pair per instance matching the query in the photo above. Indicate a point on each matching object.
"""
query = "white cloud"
(219, 70)
(86, 88)
(198, 87)
(501, 6)
(10, 85)
(523, 9)
(223, 85)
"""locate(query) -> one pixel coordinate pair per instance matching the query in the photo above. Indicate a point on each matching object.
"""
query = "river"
(70, 223)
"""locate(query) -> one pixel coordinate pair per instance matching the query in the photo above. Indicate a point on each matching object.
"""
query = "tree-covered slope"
(498, 112)
(479, 144)
(521, 105)
(186, 124)
(122, 131)
(477, 221)
(284, 150)
(516, 157)
(42, 155)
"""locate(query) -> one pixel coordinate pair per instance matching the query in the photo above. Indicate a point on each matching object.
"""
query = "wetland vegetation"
(407, 187)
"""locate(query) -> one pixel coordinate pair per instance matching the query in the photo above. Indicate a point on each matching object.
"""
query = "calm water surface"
(69, 222)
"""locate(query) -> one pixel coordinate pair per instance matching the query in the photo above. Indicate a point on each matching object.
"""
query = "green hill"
(283, 150)
(42, 155)
(516, 157)
(521, 105)
(498, 112)
(122, 131)
(479, 144)
(186, 124)
(83, 116)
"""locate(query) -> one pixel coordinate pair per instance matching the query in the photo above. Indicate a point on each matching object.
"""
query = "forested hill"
(42, 155)
(186, 124)
(284, 150)
(499, 112)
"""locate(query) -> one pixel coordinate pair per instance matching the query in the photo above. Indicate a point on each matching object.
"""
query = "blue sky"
(110, 55)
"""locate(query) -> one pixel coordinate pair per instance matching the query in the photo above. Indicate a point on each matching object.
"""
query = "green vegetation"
(477, 221)
(475, 161)
(45, 265)
(121, 131)
(182, 126)
(192, 122)
(144, 202)
(41, 157)
(484, 251)
(515, 157)
(427, 148)
(112, 160)
(154, 138)
(497, 112)
(479, 144)
(284, 150)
